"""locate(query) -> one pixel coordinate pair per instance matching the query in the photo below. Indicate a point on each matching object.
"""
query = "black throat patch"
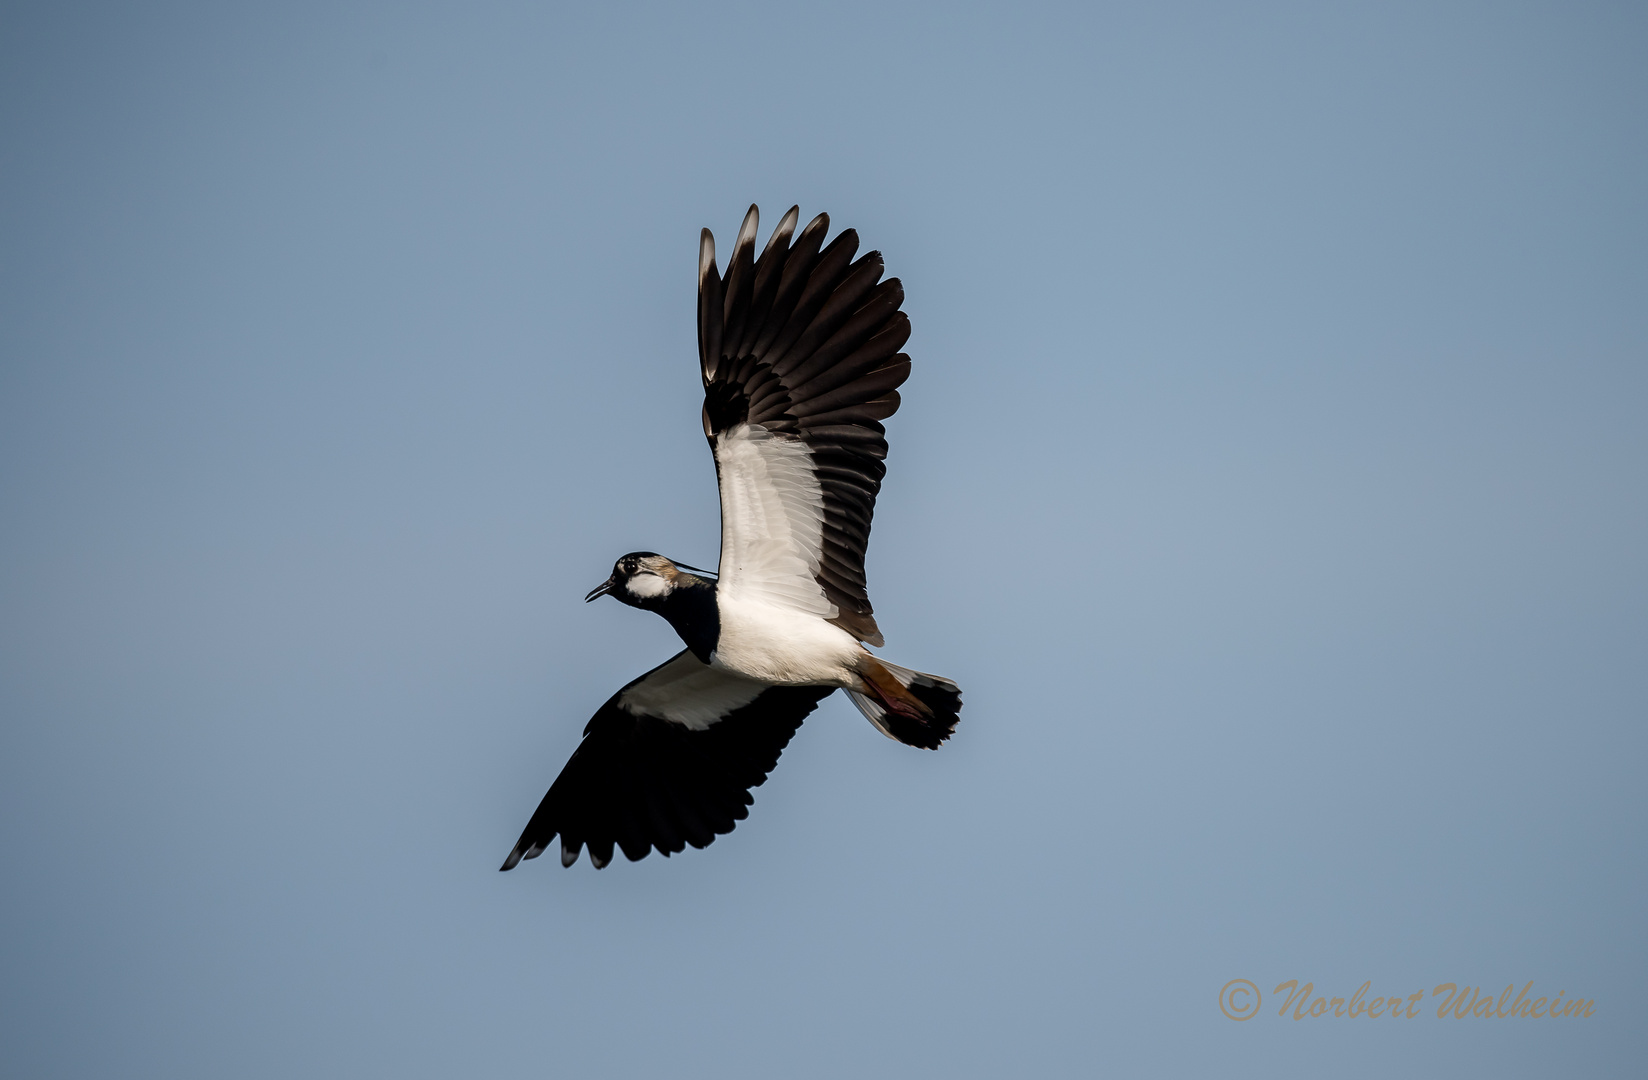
(690, 608)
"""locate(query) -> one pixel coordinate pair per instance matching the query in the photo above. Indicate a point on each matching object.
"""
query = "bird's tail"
(913, 707)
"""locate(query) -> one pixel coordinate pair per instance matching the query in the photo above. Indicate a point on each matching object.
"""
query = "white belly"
(783, 646)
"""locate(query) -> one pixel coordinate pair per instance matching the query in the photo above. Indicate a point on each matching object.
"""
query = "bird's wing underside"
(668, 761)
(799, 351)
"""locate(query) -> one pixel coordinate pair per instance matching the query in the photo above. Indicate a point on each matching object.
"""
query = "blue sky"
(1272, 477)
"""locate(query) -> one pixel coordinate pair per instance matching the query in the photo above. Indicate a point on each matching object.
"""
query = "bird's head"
(645, 579)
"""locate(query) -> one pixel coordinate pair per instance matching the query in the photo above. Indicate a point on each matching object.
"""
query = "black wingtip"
(786, 228)
(706, 255)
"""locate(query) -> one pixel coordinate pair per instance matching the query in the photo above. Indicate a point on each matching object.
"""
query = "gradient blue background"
(1273, 477)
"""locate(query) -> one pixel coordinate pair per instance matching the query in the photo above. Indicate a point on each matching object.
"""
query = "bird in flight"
(799, 352)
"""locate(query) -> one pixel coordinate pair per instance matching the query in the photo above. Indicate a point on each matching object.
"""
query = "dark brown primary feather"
(640, 782)
(805, 341)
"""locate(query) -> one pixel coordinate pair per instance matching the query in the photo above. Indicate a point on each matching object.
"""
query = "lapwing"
(799, 350)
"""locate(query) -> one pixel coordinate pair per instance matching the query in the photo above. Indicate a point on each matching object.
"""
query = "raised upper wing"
(799, 351)
(668, 761)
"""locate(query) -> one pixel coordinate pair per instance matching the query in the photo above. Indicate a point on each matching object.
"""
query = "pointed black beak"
(601, 590)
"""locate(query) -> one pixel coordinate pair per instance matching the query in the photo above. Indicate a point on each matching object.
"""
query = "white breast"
(779, 645)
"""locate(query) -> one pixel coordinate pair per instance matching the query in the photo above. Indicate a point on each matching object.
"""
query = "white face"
(646, 585)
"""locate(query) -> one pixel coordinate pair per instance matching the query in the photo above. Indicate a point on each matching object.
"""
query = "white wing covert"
(799, 353)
